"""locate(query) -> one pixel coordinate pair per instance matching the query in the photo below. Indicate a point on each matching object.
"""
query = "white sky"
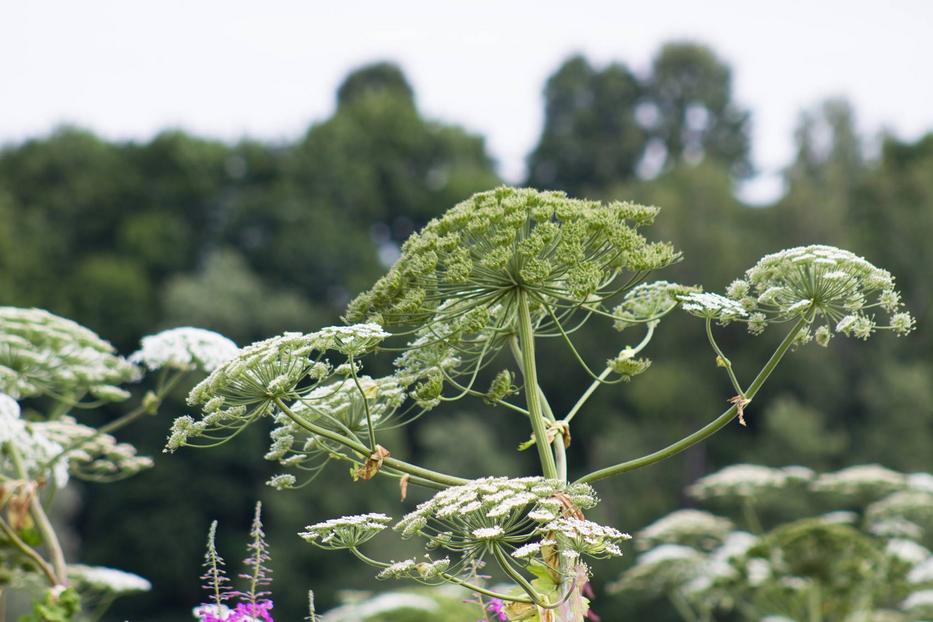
(229, 68)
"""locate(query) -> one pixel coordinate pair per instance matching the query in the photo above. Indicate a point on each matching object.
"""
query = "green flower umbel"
(561, 251)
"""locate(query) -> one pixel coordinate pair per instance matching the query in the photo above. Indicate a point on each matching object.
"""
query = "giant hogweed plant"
(52, 372)
(472, 295)
(850, 546)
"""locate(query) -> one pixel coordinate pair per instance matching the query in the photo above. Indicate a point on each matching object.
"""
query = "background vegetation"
(251, 238)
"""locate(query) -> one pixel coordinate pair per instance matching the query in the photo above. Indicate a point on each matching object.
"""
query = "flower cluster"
(35, 450)
(821, 283)
(495, 243)
(107, 579)
(44, 354)
(252, 383)
(854, 558)
(748, 480)
(89, 454)
(576, 537)
(648, 302)
(495, 511)
(346, 532)
(254, 604)
(184, 349)
(694, 528)
(711, 306)
(862, 481)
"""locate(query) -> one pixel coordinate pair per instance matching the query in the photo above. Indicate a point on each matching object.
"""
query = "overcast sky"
(232, 68)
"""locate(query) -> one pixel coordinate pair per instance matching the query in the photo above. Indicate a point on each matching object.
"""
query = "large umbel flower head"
(834, 287)
(480, 253)
(42, 354)
(282, 369)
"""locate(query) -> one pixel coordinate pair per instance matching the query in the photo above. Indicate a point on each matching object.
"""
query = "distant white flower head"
(184, 349)
(907, 551)
(903, 509)
(864, 481)
(345, 532)
(747, 480)
(921, 601)
(922, 482)
(109, 579)
(712, 306)
(694, 528)
(10, 423)
(922, 572)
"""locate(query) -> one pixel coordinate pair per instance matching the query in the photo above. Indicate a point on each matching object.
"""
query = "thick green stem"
(518, 578)
(526, 340)
(709, 429)
(366, 452)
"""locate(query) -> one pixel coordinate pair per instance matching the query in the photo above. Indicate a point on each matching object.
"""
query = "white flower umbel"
(747, 480)
(861, 482)
(108, 579)
(586, 537)
(471, 518)
(921, 601)
(695, 528)
(907, 551)
(346, 532)
(712, 306)
(905, 508)
(34, 447)
(922, 572)
(351, 340)
(44, 354)
(842, 291)
(184, 349)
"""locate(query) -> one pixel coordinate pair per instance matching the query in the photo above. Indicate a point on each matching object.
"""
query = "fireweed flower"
(566, 250)
(44, 354)
(248, 386)
(648, 302)
(838, 289)
(184, 349)
(346, 532)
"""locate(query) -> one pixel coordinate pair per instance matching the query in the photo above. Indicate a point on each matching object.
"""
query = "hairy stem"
(529, 371)
(710, 428)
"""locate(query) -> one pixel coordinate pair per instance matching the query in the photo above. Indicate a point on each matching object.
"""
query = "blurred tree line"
(252, 238)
